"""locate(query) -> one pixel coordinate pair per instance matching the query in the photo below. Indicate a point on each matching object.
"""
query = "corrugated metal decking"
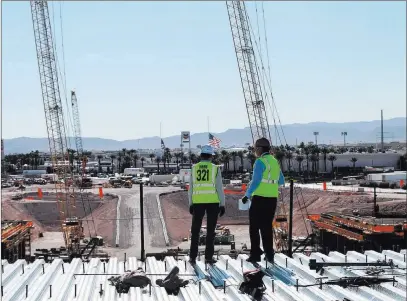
(56, 281)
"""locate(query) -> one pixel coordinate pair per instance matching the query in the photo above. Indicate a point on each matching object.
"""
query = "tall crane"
(77, 126)
(47, 66)
(248, 69)
(253, 95)
(83, 159)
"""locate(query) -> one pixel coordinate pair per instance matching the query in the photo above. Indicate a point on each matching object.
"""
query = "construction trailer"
(342, 233)
(16, 240)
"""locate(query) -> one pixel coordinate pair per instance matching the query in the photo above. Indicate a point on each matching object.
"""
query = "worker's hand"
(221, 211)
(245, 199)
(191, 209)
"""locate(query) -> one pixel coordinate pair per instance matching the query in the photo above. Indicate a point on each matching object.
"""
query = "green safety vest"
(268, 186)
(203, 183)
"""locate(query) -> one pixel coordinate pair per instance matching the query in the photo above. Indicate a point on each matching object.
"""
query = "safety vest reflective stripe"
(203, 185)
(204, 192)
(269, 181)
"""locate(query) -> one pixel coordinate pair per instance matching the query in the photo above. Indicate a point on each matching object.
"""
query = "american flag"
(162, 144)
(213, 141)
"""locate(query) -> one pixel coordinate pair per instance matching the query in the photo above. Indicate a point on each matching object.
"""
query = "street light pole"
(316, 138)
(344, 134)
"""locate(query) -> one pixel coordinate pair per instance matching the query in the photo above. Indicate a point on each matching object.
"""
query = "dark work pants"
(212, 211)
(261, 215)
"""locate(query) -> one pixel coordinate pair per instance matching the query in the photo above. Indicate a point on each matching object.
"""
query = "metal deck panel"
(56, 281)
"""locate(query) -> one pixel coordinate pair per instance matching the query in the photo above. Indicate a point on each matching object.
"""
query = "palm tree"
(240, 154)
(354, 160)
(99, 166)
(127, 162)
(225, 159)
(216, 158)
(119, 160)
(194, 159)
(252, 158)
(279, 155)
(314, 160)
(142, 159)
(158, 160)
(307, 152)
(332, 158)
(152, 156)
(289, 156)
(71, 152)
(325, 151)
(135, 158)
(168, 155)
(299, 159)
(234, 158)
(112, 157)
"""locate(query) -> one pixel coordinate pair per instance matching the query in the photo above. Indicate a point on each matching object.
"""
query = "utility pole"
(381, 131)
(344, 134)
(316, 138)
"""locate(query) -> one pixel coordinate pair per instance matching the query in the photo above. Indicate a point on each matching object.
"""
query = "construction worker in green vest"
(263, 193)
(205, 196)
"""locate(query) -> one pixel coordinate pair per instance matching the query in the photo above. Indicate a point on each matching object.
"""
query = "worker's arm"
(190, 189)
(258, 170)
(281, 179)
(219, 188)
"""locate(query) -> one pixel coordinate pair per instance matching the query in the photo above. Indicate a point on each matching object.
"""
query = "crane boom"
(76, 124)
(248, 70)
(54, 119)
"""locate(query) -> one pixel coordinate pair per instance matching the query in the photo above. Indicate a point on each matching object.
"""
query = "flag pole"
(208, 125)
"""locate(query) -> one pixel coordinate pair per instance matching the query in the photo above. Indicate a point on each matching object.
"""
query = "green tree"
(142, 159)
(354, 160)
(332, 158)
(152, 156)
(325, 152)
(234, 158)
(289, 157)
(240, 154)
(299, 159)
(158, 160)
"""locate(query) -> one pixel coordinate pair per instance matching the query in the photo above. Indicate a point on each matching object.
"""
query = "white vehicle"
(133, 171)
(184, 175)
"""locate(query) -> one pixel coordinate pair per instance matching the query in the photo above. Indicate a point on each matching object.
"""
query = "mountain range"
(329, 133)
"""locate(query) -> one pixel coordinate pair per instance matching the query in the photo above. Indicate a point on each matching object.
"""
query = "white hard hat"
(207, 149)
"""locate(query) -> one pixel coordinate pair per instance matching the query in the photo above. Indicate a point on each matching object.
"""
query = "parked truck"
(384, 180)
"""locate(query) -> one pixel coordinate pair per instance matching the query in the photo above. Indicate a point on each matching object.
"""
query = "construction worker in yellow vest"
(263, 193)
(205, 195)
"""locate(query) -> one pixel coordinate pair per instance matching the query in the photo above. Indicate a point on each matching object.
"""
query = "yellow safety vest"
(203, 183)
(268, 186)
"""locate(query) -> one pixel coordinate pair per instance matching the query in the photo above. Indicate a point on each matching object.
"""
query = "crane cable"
(69, 124)
(302, 206)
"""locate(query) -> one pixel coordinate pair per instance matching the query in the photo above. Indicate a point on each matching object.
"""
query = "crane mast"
(248, 70)
(54, 119)
(76, 124)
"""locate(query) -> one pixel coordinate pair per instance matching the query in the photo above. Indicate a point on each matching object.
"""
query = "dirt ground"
(44, 213)
(306, 201)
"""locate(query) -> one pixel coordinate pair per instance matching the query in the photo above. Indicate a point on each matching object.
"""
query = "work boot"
(253, 259)
(192, 261)
(269, 258)
(210, 261)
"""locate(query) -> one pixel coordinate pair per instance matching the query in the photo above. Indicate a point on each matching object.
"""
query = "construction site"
(74, 240)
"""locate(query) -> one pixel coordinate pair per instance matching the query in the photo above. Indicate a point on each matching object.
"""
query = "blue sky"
(134, 64)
